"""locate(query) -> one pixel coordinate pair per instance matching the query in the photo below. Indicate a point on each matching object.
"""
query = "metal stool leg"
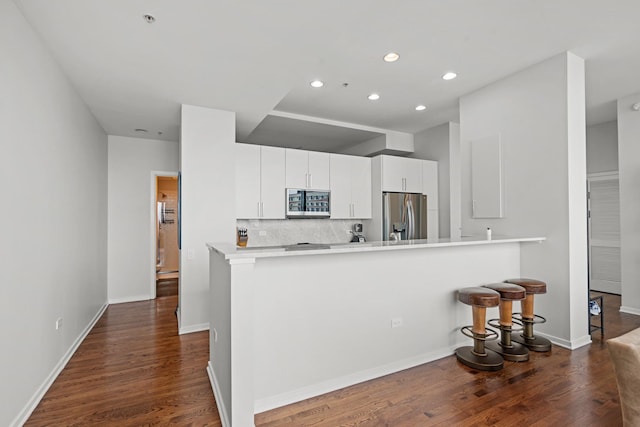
(508, 349)
(479, 357)
(527, 337)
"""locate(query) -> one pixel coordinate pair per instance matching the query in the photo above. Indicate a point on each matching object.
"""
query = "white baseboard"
(569, 345)
(220, 403)
(193, 328)
(303, 393)
(134, 298)
(24, 415)
(629, 310)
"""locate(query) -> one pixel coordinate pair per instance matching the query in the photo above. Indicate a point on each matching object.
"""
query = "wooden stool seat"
(477, 357)
(532, 286)
(478, 296)
(509, 350)
(508, 291)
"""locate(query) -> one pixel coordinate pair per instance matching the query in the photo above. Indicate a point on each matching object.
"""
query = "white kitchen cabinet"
(260, 191)
(350, 187)
(307, 169)
(430, 182)
(430, 188)
(400, 174)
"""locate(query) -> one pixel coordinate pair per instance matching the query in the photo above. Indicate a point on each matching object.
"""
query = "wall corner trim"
(221, 404)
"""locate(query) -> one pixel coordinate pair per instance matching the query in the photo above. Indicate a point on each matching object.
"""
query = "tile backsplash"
(292, 231)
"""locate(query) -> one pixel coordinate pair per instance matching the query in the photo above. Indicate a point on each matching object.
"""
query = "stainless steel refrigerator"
(404, 216)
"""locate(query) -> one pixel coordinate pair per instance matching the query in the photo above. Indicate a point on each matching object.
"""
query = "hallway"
(133, 369)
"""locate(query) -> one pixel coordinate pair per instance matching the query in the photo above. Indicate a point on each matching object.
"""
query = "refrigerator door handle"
(386, 217)
(411, 218)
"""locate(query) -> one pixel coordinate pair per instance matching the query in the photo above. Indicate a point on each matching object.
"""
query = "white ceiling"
(255, 56)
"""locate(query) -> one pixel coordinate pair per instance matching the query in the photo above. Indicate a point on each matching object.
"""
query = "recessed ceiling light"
(421, 107)
(317, 83)
(373, 97)
(449, 76)
(149, 19)
(391, 57)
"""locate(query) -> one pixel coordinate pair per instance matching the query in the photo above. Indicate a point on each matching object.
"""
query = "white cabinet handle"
(261, 209)
(310, 181)
(258, 206)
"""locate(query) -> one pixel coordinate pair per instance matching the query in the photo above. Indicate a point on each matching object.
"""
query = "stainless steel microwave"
(308, 203)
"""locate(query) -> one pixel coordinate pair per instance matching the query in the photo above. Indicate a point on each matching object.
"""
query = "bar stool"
(477, 357)
(528, 317)
(508, 349)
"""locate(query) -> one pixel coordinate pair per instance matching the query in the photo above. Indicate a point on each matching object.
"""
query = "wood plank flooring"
(133, 369)
(571, 388)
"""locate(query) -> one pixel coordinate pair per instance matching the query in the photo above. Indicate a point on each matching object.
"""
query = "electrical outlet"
(215, 335)
(262, 233)
(59, 323)
(396, 322)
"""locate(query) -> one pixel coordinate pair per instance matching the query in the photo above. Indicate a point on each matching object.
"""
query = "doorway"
(167, 255)
(604, 232)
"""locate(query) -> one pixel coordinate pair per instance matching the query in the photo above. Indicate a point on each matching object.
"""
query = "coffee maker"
(357, 233)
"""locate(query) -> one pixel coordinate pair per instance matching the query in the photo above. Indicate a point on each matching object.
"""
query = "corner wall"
(442, 143)
(539, 113)
(207, 165)
(629, 166)
(54, 211)
(131, 194)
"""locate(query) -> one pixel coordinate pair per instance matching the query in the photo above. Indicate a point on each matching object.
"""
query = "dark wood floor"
(133, 369)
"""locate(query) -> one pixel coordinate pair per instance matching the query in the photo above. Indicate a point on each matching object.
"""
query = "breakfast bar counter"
(291, 322)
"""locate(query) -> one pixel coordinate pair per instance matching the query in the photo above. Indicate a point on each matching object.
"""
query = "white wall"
(442, 143)
(629, 164)
(539, 113)
(54, 216)
(602, 147)
(131, 194)
(207, 165)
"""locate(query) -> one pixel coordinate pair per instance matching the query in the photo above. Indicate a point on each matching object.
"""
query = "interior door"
(604, 232)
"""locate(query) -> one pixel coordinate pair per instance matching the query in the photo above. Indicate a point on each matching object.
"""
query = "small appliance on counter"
(242, 237)
(357, 233)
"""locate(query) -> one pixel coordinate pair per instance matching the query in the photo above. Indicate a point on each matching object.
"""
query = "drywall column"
(442, 143)
(539, 115)
(207, 212)
(629, 166)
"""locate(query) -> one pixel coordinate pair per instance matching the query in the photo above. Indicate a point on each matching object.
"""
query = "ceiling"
(256, 56)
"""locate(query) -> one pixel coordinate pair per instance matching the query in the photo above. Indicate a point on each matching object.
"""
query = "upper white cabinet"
(430, 188)
(350, 187)
(400, 174)
(307, 169)
(260, 179)
(430, 182)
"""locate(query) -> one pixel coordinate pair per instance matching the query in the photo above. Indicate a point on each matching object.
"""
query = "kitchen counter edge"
(232, 252)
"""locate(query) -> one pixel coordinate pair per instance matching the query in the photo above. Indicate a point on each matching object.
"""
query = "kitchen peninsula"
(289, 323)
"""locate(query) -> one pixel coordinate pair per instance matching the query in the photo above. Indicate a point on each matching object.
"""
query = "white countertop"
(231, 252)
